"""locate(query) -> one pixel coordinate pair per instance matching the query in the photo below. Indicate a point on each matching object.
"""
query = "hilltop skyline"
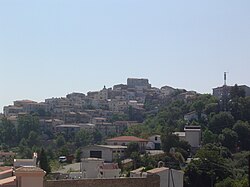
(51, 48)
(43, 99)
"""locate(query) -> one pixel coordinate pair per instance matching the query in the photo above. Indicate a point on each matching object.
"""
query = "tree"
(198, 106)
(169, 140)
(132, 147)
(208, 137)
(60, 141)
(82, 138)
(97, 136)
(43, 161)
(243, 131)
(7, 132)
(229, 139)
(221, 121)
(33, 139)
(78, 155)
(209, 167)
(26, 124)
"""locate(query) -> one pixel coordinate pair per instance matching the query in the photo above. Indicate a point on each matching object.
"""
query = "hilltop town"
(131, 134)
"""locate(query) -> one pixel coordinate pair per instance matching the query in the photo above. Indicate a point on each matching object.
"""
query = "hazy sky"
(49, 48)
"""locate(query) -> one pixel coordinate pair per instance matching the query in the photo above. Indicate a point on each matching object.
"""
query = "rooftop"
(113, 146)
(181, 134)
(127, 139)
(5, 169)
(29, 169)
(157, 170)
(7, 180)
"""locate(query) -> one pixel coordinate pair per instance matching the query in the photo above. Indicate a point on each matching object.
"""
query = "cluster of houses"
(90, 112)
(99, 162)
(94, 110)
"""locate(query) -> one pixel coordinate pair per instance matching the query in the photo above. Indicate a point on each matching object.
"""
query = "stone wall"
(150, 181)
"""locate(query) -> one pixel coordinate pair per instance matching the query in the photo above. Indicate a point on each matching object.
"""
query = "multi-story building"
(224, 90)
(106, 152)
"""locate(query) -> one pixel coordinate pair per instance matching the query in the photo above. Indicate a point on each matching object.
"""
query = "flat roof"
(157, 170)
(127, 139)
(113, 146)
(180, 133)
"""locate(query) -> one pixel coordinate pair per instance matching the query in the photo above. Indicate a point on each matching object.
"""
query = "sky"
(49, 48)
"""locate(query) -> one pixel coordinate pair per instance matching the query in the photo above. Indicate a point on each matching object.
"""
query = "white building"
(154, 142)
(191, 134)
(168, 177)
(106, 152)
(96, 168)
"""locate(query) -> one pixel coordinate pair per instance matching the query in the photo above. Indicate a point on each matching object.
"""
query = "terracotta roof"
(127, 139)
(109, 166)
(5, 170)
(7, 180)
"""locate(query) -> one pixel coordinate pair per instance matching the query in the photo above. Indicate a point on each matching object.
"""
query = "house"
(225, 90)
(138, 84)
(25, 176)
(96, 168)
(28, 176)
(168, 177)
(191, 134)
(106, 152)
(138, 173)
(154, 142)
(125, 140)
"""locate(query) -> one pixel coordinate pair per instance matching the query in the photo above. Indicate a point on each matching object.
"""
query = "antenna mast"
(225, 78)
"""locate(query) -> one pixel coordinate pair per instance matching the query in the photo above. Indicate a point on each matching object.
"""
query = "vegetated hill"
(225, 124)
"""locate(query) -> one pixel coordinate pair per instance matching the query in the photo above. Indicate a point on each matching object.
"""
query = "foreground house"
(96, 168)
(168, 177)
(28, 176)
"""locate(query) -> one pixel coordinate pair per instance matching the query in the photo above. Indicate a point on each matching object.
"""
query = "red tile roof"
(127, 139)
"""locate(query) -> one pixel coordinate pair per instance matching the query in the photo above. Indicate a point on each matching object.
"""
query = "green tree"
(208, 137)
(132, 147)
(7, 132)
(78, 155)
(43, 162)
(220, 121)
(243, 131)
(33, 139)
(97, 137)
(82, 138)
(26, 124)
(169, 141)
(60, 141)
(229, 139)
(198, 106)
(208, 168)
